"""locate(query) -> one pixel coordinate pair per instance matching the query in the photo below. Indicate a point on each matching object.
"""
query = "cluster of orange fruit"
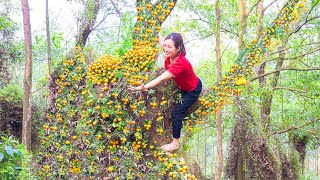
(139, 60)
(58, 133)
(104, 71)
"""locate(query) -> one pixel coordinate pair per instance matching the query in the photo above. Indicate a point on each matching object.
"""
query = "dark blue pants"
(179, 110)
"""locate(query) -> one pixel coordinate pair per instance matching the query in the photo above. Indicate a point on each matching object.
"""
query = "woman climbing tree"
(179, 68)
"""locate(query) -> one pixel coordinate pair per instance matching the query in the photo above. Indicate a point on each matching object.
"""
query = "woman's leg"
(178, 114)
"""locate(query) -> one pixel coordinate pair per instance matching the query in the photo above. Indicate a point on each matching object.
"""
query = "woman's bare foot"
(174, 145)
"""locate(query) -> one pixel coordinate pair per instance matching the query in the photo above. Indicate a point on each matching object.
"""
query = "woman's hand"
(138, 88)
(162, 78)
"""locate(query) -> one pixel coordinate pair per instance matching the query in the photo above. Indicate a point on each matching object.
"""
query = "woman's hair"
(178, 42)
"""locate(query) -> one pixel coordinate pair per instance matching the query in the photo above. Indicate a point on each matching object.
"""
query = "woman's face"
(169, 49)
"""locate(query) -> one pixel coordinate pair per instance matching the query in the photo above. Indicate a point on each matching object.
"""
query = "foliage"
(119, 40)
(6, 24)
(9, 51)
(8, 28)
(11, 93)
(14, 159)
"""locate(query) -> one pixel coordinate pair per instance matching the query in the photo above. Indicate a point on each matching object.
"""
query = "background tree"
(87, 21)
(48, 37)
(219, 77)
(26, 122)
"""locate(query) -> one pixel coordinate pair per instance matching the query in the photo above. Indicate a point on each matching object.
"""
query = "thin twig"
(264, 9)
(290, 89)
(291, 58)
(204, 37)
(294, 128)
(104, 18)
(285, 69)
(115, 8)
(251, 9)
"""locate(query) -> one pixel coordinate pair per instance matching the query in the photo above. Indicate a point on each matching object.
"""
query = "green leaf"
(9, 150)
(18, 168)
(18, 152)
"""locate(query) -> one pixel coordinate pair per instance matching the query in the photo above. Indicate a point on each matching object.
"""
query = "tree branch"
(88, 23)
(204, 37)
(306, 20)
(285, 69)
(222, 28)
(297, 91)
(106, 14)
(304, 23)
(302, 45)
(297, 57)
(302, 55)
(226, 47)
(294, 128)
(251, 9)
(265, 8)
(200, 19)
(226, 30)
(290, 89)
(115, 8)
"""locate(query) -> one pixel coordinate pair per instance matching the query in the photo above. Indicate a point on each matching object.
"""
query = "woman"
(180, 69)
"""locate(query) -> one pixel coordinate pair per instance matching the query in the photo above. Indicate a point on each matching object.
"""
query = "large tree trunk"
(26, 122)
(48, 37)
(88, 22)
(239, 174)
(49, 52)
(300, 145)
(259, 27)
(261, 70)
(219, 113)
(266, 99)
(242, 22)
(249, 155)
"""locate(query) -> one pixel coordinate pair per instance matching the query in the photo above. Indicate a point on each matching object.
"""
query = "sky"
(61, 15)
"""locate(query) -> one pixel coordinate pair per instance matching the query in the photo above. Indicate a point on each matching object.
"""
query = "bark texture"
(219, 113)
(88, 22)
(27, 115)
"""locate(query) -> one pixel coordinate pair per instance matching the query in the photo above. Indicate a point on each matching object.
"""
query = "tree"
(219, 77)
(8, 52)
(48, 37)
(264, 109)
(87, 21)
(247, 145)
(48, 50)
(27, 114)
(243, 16)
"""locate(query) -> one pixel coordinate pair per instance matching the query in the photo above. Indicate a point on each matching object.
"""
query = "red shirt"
(182, 73)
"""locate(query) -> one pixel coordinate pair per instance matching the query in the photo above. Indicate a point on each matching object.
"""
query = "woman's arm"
(160, 40)
(160, 79)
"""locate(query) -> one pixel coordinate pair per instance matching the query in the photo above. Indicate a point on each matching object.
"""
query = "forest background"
(282, 95)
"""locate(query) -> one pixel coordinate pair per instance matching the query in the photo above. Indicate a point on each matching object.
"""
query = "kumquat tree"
(95, 127)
